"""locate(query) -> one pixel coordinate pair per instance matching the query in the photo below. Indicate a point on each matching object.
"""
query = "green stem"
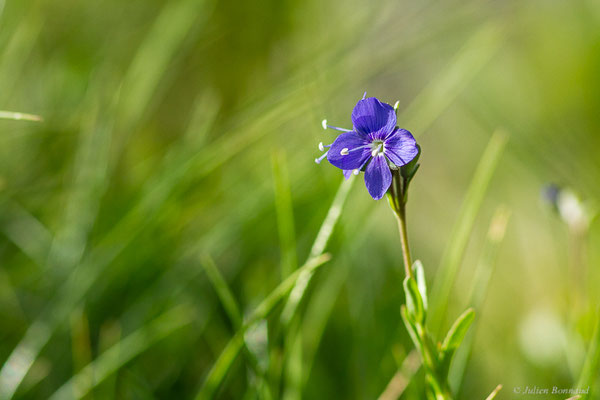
(398, 204)
(401, 218)
(404, 241)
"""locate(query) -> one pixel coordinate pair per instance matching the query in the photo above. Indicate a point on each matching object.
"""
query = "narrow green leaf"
(411, 328)
(414, 302)
(453, 339)
(421, 282)
(458, 330)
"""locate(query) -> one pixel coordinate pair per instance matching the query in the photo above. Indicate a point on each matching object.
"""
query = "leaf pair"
(436, 359)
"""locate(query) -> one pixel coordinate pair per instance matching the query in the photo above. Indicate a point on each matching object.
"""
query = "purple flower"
(375, 145)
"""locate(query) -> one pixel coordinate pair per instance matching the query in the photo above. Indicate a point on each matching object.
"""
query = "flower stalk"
(397, 202)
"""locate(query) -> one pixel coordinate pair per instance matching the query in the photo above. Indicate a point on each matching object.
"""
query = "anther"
(344, 151)
(355, 172)
(396, 105)
(322, 146)
(324, 124)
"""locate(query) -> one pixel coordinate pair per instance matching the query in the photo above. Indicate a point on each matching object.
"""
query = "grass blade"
(223, 291)
(285, 214)
(228, 355)
(294, 365)
(402, 378)
(233, 311)
(493, 395)
(17, 116)
(26, 232)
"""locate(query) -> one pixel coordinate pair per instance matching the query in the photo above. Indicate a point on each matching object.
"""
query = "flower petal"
(400, 147)
(355, 148)
(378, 177)
(348, 173)
(374, 118)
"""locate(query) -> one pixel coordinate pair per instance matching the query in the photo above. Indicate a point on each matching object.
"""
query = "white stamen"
(324, 124)
(318, 160)
(355, 172)
(377, 148)
(396, 105)
(376, 151)
(321, 147)
(344, 151)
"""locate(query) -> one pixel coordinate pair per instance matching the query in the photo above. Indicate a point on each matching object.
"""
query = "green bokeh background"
(179, 130)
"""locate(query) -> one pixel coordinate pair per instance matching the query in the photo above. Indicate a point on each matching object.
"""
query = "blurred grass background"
(171, 187)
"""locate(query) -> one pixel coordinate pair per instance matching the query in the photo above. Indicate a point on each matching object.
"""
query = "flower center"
(377, 147)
